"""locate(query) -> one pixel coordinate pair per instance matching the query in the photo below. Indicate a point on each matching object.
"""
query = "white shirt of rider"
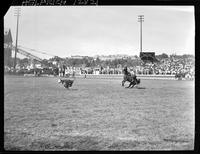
(132, 72)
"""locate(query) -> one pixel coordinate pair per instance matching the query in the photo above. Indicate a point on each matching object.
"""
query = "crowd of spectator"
(166, 66)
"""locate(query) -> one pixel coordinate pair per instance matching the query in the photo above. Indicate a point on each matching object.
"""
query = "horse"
(130, 78)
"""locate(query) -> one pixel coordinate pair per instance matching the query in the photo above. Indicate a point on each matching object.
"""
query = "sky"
(103, 30)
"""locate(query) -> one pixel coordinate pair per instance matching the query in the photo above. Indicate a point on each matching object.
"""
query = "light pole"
(16, 13)
(140, 19)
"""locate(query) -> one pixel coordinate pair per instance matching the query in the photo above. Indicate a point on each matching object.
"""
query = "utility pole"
(16, 13)
(140, 19)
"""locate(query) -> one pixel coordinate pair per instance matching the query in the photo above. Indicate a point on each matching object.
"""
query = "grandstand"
(148, 57)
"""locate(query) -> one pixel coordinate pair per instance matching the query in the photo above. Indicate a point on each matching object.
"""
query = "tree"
(45, 62)
(162, 56)
(98, 61)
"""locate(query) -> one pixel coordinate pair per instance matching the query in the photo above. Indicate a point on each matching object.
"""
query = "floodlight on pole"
(140, 19)
(16, 13)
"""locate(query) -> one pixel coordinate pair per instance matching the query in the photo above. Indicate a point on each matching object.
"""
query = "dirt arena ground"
(97, 114)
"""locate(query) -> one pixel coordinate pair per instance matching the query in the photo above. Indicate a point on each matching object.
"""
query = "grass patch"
(40, 114)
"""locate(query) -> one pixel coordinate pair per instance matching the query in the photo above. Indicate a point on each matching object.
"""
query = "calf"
(66, 82)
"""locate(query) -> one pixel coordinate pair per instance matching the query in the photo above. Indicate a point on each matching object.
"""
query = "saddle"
(132, 75)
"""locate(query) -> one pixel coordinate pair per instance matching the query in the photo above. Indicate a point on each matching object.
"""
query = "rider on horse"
(126, 72)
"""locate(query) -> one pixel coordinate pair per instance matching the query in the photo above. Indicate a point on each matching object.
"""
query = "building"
(7, 47)
(77, 57)
(97, 70)
(148, 57)
(111, 57)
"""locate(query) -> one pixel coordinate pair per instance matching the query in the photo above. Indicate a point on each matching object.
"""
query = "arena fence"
(117, 76)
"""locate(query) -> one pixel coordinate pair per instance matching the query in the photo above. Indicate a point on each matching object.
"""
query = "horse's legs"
(66, 85)
(123, 82)
(132, 85)
(129, 85)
